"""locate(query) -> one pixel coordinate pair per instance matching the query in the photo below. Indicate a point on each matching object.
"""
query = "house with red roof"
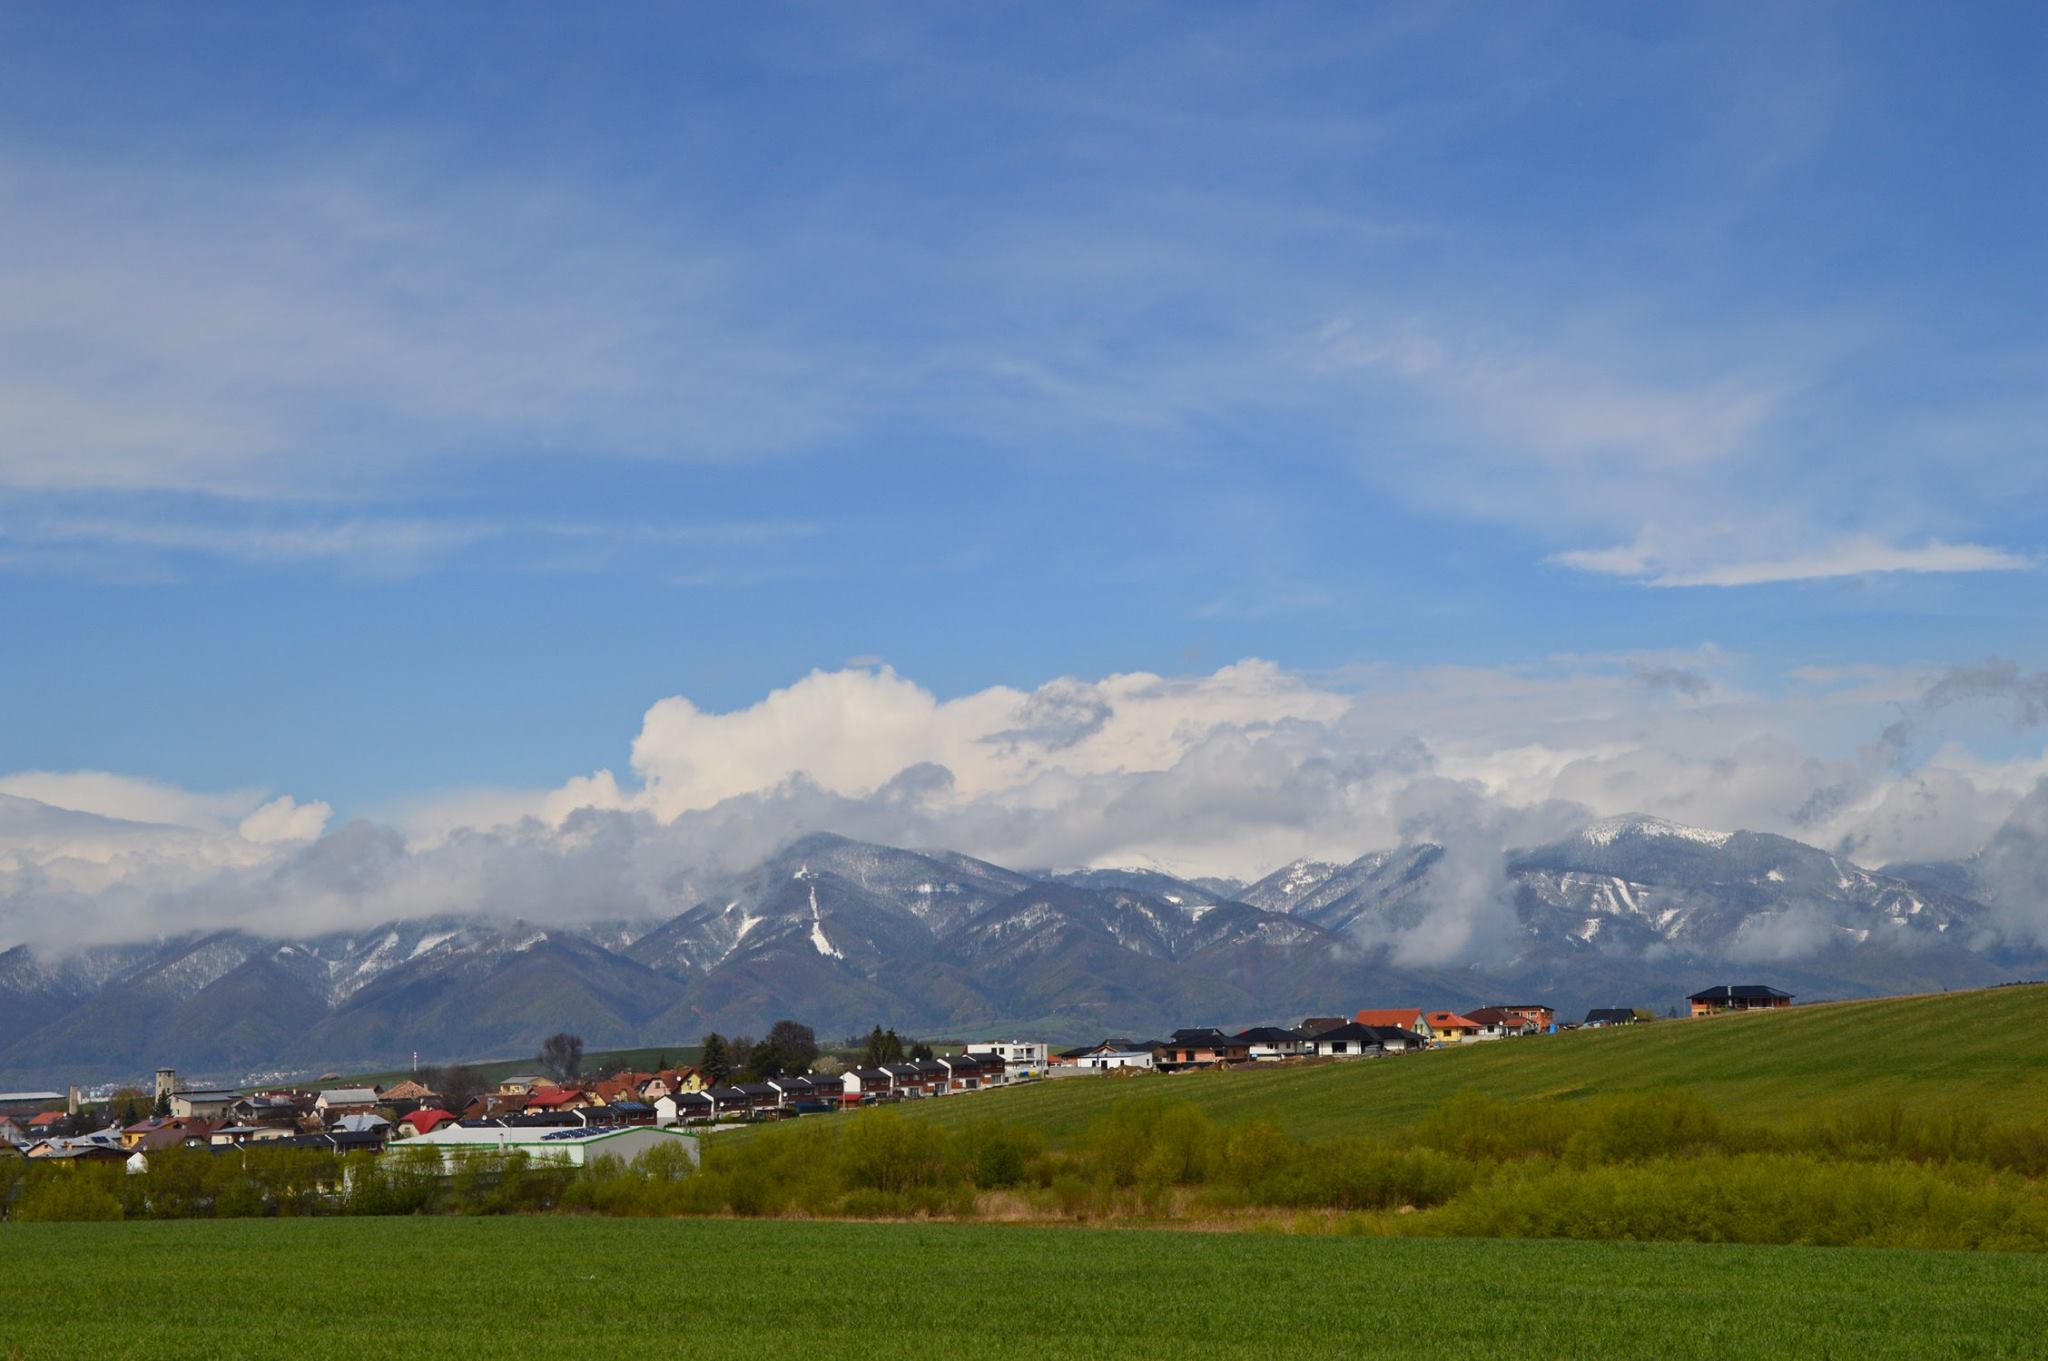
(557, 1099)
(424, 1122)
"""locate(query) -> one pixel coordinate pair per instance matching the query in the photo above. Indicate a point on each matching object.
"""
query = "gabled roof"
(1202, 1037)
(1451, 1020)
(1610, 1015)
(548, 1098)
(1268, 1034)
(1316, 1025)
(350, 1096)
(426, 1121)
(1404, 1017)
(1739, 992)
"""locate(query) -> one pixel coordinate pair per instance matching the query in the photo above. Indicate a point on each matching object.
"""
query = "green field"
(1982, 1051)
(464, 1287)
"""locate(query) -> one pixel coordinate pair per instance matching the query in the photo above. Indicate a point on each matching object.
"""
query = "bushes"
(70, 1196)
(1758, 1198)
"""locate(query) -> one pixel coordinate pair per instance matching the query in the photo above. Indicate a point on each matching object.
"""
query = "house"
(1200, 1047)
(424, 1121)
(336, 1102)
(1316, 1025)
(556, 1099)
(523, 1084)
(965, 1072)
(1543, 1015)
(46, 1123)
(1348, 1041)
(1395, 1040)
(408, 1095)
(1267, 1043)
(271, 1110)
(624, 1086)
(1021, 1058)
(203, 1102)
(683, 1108)
(1498, 1023)
(1451, 1028)
(230, 1136)
(1738, 997)
(1410, 1019)
(13, 1132)
(864, 1086)
(1600, 1017)
(670, 1081)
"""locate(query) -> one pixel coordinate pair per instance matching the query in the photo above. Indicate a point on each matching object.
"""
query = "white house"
(1353, 1041)
(1021, 1058)
(340, 1101)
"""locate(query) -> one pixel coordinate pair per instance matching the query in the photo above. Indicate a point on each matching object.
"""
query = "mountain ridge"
(843, 934)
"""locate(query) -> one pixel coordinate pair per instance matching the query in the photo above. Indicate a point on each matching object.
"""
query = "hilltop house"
(1270, 1042)
(1601, 1017)
(1544, 1016)
(1410, 1019)
(1738, 997)
(1348, 1041)
(1499, 1023)
(1451, 1028)
(1108, 1055)
(1021, 1058)
(1200, 1047)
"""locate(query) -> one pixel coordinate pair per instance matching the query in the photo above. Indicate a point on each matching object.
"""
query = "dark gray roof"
(1739, 992)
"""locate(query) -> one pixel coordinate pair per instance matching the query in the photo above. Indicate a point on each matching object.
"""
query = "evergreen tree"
(920, 1051)
(716, 1060)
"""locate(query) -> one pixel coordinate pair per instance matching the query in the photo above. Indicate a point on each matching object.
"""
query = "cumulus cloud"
(1229, 773)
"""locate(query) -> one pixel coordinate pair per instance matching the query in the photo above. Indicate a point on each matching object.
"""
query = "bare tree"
(561, 1056)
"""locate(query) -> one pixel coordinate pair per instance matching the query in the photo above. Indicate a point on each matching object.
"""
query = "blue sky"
(394, 403)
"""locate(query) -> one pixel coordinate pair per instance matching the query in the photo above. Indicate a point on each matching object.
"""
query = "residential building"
(203, 1102)
(1544, 1015)
(570, 1144)
(1349, 1041)
(336, 1102)
(1268, 1043)
(1410, 1019)
(1450, 1028)
(1200, 1047)
(1738, 997)
(1600, 1017)
(1498, 1023)
(1021, 1058)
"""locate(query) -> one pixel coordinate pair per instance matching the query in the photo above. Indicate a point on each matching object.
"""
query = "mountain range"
(841, 934)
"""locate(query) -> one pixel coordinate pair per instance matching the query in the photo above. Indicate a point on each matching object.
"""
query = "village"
(621, 1114)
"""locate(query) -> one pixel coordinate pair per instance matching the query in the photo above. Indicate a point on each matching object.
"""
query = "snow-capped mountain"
(844, 934)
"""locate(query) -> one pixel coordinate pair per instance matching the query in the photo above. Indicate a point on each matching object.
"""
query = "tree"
(561, 1056)
(796, 1046)
(920, 1051)
(882, 1047)
(828, 1065)
(741, 1047)
(457, 1085)
(163, 1105)
(716, 1059)
(763, 1061)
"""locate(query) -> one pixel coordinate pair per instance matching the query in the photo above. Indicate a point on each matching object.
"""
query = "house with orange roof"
(1450, 1028)
(557, 1099)
(1411, 1019)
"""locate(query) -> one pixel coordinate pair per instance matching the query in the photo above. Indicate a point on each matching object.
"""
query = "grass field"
(1985, 1051)
(458, 1287)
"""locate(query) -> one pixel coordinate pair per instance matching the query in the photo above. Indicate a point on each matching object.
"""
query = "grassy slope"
(1987, 1050)
(264, 1288)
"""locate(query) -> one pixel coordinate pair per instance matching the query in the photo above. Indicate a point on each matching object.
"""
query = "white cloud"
(1228, 773)
(1653, 565)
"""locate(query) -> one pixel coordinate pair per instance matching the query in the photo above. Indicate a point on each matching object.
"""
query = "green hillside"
(1984, 1050)
(773, 1290)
